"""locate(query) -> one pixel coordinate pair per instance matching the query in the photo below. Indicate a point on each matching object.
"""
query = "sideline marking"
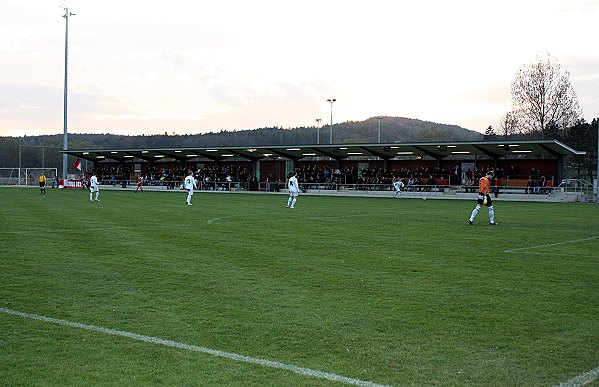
(196, 348)
(106, 228)
(582, 379)
(339, 217)
(522, 249)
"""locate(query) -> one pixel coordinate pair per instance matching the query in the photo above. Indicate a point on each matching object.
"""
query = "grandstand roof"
(437, 150)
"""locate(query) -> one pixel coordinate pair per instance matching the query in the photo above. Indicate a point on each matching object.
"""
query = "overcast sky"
(198, 66)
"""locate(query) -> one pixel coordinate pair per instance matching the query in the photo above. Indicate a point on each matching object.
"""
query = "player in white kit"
(93, 187)
(189, 184)
(398, 185)
(293, 186)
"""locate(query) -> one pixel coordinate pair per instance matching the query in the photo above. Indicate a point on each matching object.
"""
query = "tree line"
(35, 151)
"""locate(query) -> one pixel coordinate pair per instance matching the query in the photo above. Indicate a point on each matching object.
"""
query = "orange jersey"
(484, 186)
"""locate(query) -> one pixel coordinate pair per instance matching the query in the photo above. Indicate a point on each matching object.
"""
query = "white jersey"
(189, 183)
(293, 185)
(398, 185)
(93, 183)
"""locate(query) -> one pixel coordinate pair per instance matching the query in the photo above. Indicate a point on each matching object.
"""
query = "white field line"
(523, 249)
(196, 348)
(91, 227)
(338, 217)
(587, 377)
(582, 379)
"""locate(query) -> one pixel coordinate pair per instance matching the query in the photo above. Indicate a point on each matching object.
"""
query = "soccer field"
(140, 289)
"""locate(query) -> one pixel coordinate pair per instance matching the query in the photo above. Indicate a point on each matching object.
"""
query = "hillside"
(393, 129)
(44, 150)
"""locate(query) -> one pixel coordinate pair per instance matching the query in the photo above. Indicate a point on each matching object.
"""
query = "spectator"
(496, 185)
(411, 184)
(442, 184)
(530, 185)
(430, 183)
(549, 186)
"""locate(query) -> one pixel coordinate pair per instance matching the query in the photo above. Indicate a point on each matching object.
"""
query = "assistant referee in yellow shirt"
(42, 184)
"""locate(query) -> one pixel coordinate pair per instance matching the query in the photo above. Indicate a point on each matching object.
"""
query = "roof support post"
(289, 167)
(256, 169)
(560, 170)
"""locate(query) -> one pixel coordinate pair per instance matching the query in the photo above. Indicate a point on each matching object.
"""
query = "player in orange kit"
(484, 198)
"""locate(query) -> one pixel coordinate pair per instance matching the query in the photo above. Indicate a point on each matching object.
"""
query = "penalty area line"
(523, 249)
(196, 348)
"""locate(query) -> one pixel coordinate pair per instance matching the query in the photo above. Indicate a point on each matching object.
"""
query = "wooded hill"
(393, 129)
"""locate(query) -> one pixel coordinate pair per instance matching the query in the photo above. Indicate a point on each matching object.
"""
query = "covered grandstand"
(547, 155)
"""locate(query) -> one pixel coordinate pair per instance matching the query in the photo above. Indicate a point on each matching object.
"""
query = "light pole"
(597, 176)
(65, 142)
(379, 118)
(331, 100)
(318, 130)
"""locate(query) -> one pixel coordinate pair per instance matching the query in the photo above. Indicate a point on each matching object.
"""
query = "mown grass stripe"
(214, 352)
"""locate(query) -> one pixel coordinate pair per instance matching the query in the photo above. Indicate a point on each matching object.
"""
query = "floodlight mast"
(597, 175)
(331, 100)
(65, 142)
(379, 118)
(318, 130)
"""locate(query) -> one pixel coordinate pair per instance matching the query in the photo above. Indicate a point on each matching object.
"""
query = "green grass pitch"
(376, 290)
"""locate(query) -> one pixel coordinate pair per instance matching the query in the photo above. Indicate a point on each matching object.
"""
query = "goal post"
(32, 176)
(27, 176)
(9, 176)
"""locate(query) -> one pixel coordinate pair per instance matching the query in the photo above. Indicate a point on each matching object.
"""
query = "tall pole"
(65, 141)
(379, 118)
(20, 164)
(331, 100)
(318, 130)
(597, 175)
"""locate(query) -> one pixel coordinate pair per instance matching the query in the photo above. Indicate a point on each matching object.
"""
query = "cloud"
(205, 66)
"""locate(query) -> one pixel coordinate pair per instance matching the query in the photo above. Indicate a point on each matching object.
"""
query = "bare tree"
(489, 134)
(509, 126)
(543, 98)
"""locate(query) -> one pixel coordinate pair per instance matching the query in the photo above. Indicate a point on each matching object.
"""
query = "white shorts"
(94, 188)
(293, 194)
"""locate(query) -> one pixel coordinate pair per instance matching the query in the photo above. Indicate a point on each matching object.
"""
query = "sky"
(187, 67)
